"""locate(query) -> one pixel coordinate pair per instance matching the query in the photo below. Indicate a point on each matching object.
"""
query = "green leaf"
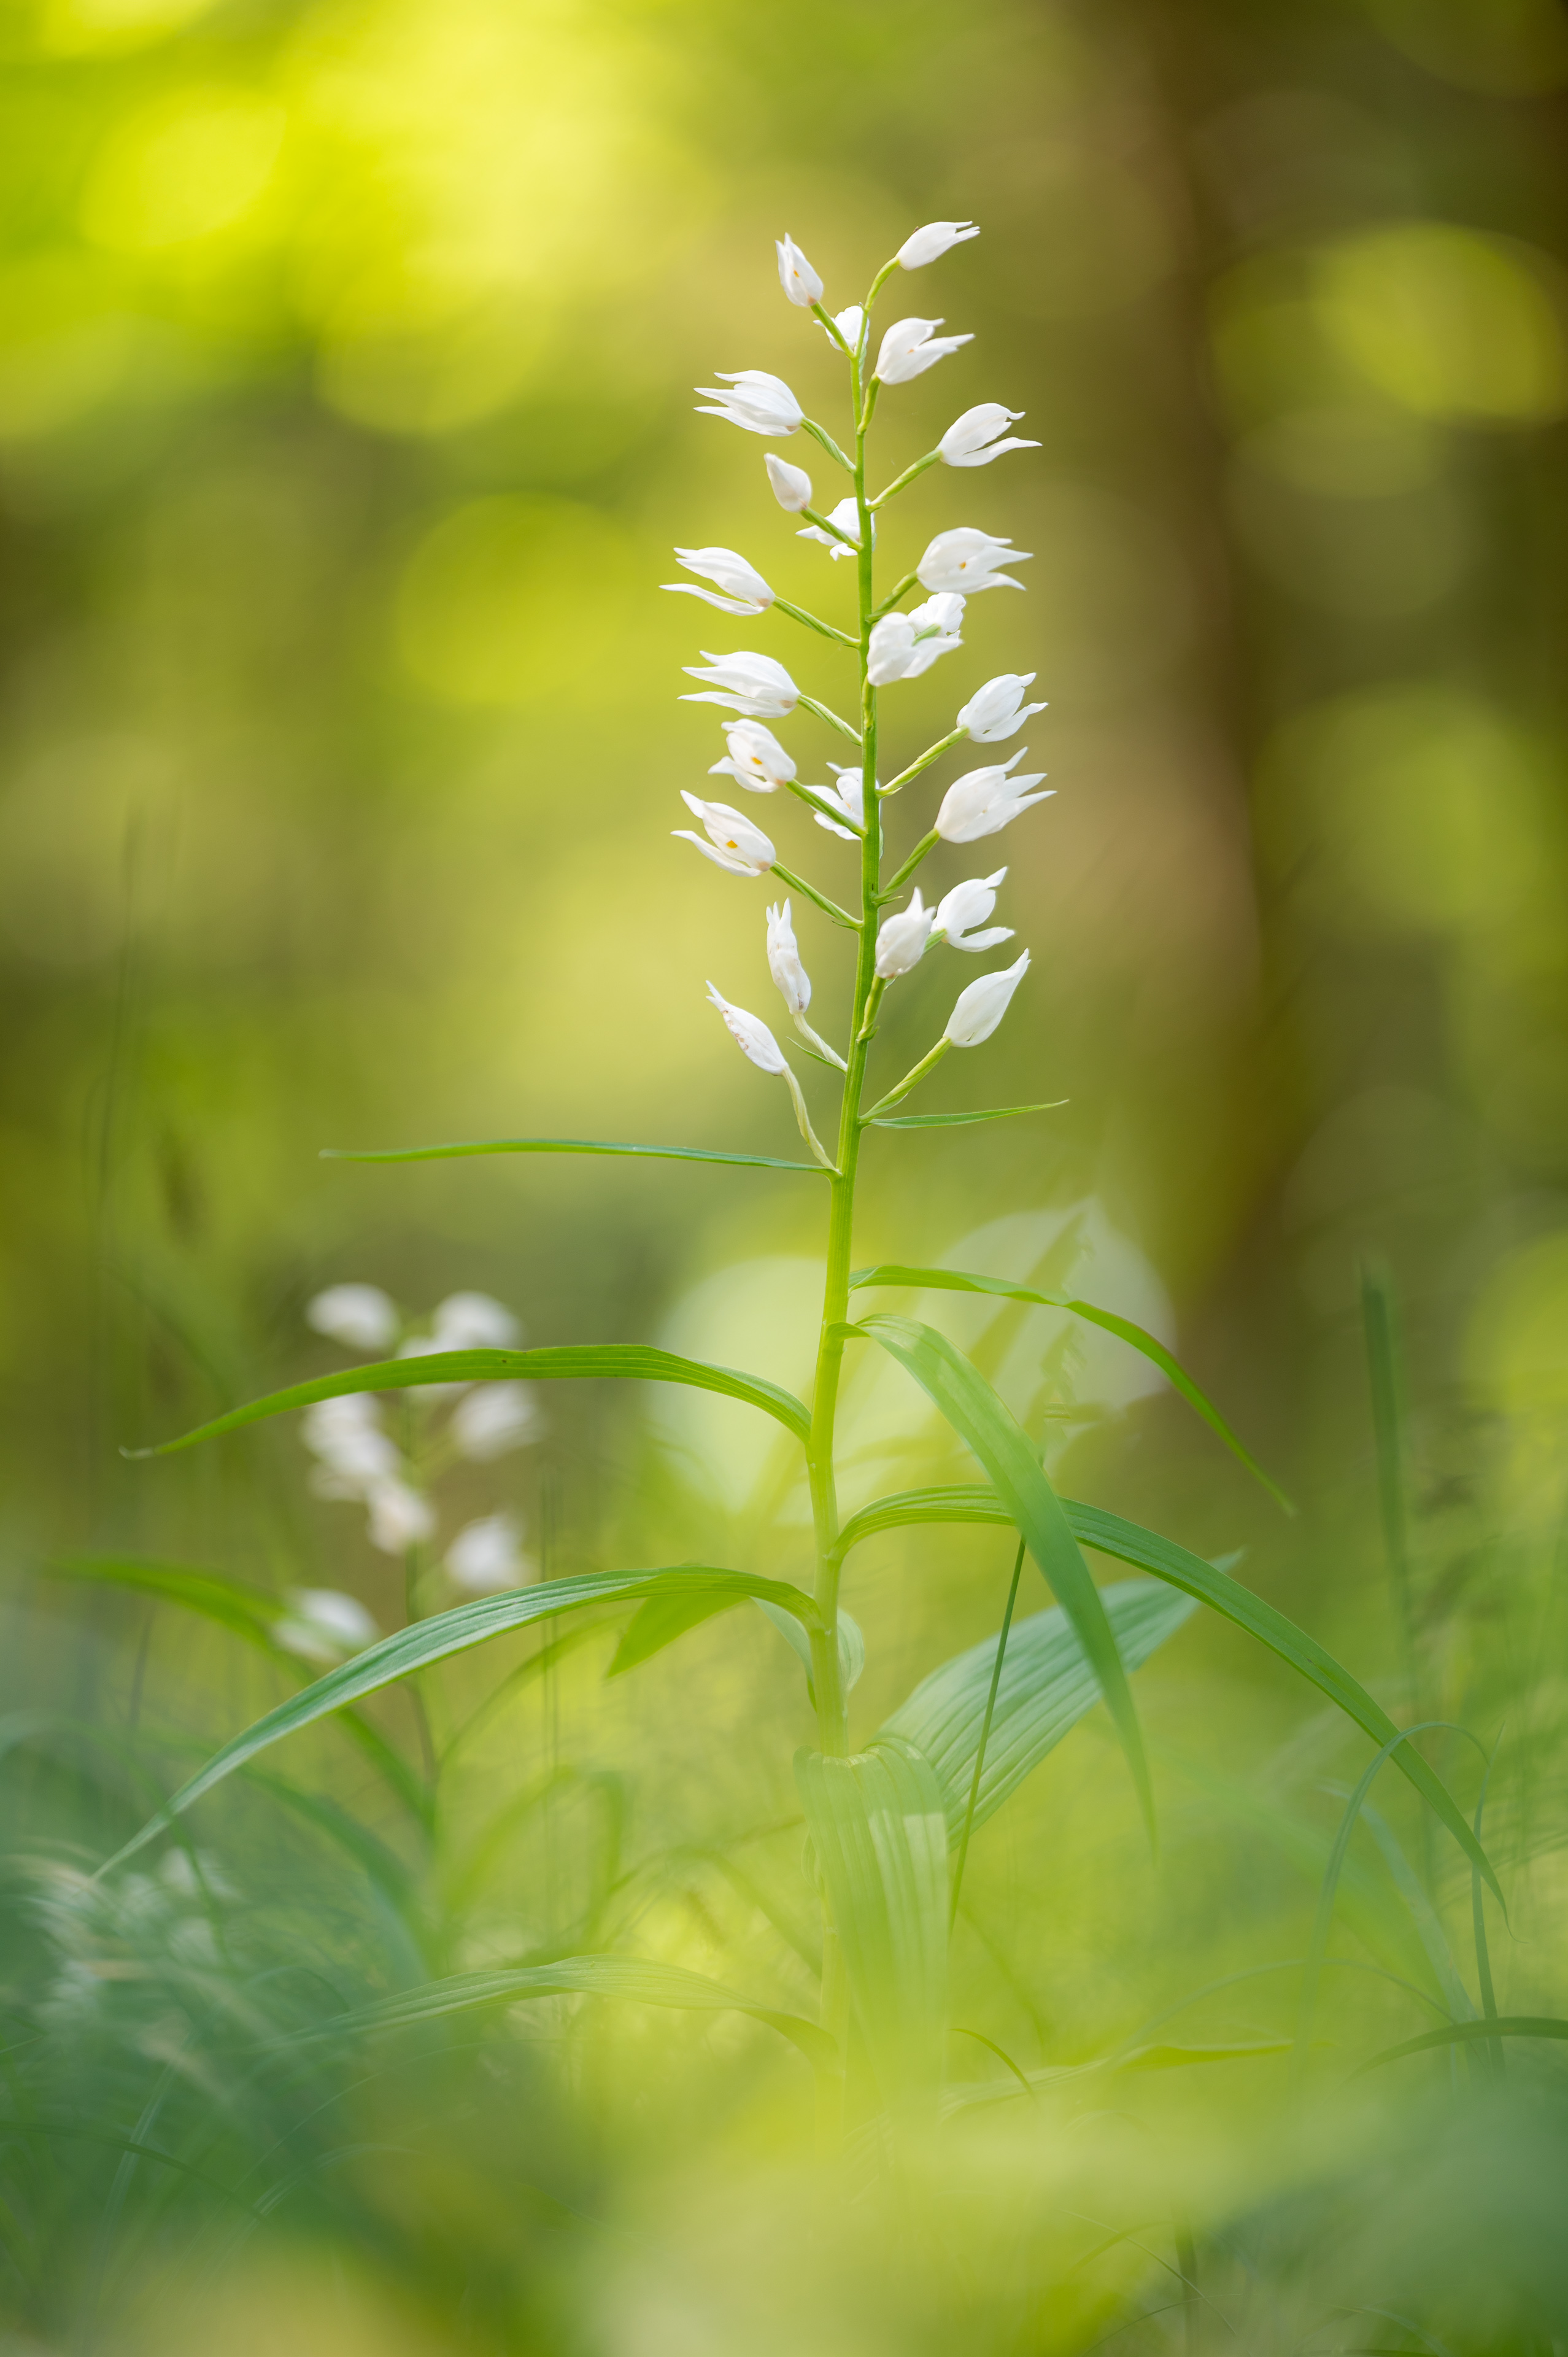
(249, 1612)
(632, 1362)
(879, 1829)
(985, 1420)
(446, 1633)
(557, 1146)
(1472, 2033)
(626, 1978)
(961, 1503)
(660, 1621)
(1046, 1687)
(955, 1120)
(948, 1280)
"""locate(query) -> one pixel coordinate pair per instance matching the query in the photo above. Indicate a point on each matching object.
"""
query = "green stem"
(829, 907)
(831, 324)
(811, 426)
(985, 1737)
(809, 704)
(932, 753)
(911, 581)
(799, 614)
(897, 883)
(826, 524)
(905, 479)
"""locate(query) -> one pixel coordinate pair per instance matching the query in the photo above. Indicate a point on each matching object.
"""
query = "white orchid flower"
(790, 978)
(361, 1315)
(324, 1626)
(903, 646)
(930, 244)
(473, 1321)
(997, 709)
(400, 1517)
(756, 760)
(796, 275)
(756, 1043)
(982, 802)
(848, 795)
(791, 485)
(749, 683)
(493, 1418)
(902, 941)
(743, 589)
(909, 349)
(966, 906)
(847, 515)
(981, 1008)
(851, 324)
(965, 559)
(971, 440)
(352, 1451)
(487, 1556)
(733, 843)
(425, 1346)
(762, 403)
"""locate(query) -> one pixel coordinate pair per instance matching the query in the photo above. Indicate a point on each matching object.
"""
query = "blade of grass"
(979, 1748)
(558, 1145)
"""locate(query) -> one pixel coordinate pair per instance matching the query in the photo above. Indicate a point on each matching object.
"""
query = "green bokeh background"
(346, 430)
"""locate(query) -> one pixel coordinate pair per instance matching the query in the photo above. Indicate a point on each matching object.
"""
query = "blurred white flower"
(847, 515)
(353, 1452)
(971, 440)
(929, 243)
(756, 760)
(982, 802)
(494, 1418)
(426, 1346)
(486, 1556)
(848, 795)
(745, 590)
(733, 843)
(791, 485)
(762, 403)
(473, 1321)
(909, 349)
(980, 1007)
(749, 683)
(902, 939)
(997, 709)
(966, 906)
(966, 560)
(796, 275)
(400, 1517)
(750, 1035)
(361, 1315)
(324, 1626)
(793, 983)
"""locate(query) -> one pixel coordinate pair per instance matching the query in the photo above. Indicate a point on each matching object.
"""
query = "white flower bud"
(353, 1452)
(901, 943)
(733, 843)
(791, 485)
(473, 1321)
(983, 1004)
(487, 1556)
(745, 590)
(750, 1035)
(848, 795)
(928, 245)
(400, 1517)
(796, 275)
(361, 1315)
(493, 1418)
(324, 1626)
(847, 515)
(794, 984)
(971, 440)
(750, 683)
(966, 906)
(756, 760)
(982, 802)
(965, 559)
(997, 709)
(909, 349)
(851, 324)
(762, 403)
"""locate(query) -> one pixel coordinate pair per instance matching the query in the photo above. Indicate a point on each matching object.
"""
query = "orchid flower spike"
(733, 843)
(930, 244)
(971, 440)
(901, 943)
(796, 275)
(847, 515)
(966, 559)
(360, 1315)
(756, 760)
(745, 591)
(982, 802)
(762, 403)
(968, 905)
(980, 1007)
(756, 1042)
(752, 684)
(997, 709)
(791, 485)
(909, 349)
(794, 984)
(849, 796)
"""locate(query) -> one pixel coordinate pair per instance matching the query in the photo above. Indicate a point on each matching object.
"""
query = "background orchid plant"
(891, 1814)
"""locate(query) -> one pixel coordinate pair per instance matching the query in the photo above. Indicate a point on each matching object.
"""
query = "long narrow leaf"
(560, 1145)
(1472, 2033)
(626, 1978)
(879, 1829)
(958, 1120)
(631, 1361)
(1047, 1686)
(950, 1280)
(446, 1633)
(981, 1418)
(961, 1502)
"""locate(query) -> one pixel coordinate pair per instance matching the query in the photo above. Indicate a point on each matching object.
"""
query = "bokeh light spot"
(1449, 322)
(509, 598)
(187, 166)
